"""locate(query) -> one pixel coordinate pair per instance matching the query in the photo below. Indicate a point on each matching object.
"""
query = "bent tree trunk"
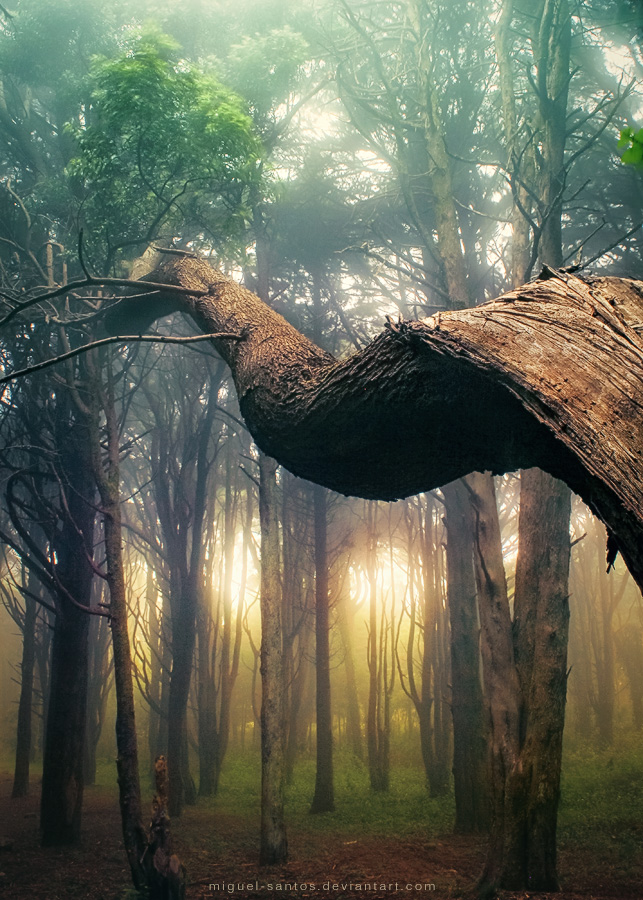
(549, 375)
(558, 363)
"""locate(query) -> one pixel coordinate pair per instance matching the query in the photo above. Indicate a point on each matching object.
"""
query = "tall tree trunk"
(422, 615)
(372, 735)
(297, 602)
(377, 720)
(143, 863)
(62, 776)
(441, 762)
(231, 639)
(323, 799)
(166, 668)
(25, 703)
(183, 640)
(505, 858)
(98, 687)
(542, 576)
(156, 651)
(467, 703)
(525, 678)
(274, 845)
(631, 655)
(206, 697)
(353, 715)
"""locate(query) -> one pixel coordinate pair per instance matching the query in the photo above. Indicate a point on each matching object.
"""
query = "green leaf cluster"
(265, 67)
(631, 142)
(163, 147)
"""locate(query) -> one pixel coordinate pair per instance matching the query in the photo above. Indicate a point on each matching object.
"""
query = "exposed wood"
(548, 375)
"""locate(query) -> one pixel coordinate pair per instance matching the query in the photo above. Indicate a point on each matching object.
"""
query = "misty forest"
(321, 433)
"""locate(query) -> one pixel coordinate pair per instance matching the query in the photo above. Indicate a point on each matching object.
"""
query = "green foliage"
(264, 68)
(602, 790)
(631, 142)
(164, 148)
(69, 30)
(405, 809)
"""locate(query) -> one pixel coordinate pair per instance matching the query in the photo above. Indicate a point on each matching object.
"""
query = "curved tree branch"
(550, 374)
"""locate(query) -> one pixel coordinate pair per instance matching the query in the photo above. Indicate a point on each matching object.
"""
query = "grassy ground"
(401, 837)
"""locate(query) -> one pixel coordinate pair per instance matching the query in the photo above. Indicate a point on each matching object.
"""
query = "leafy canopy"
(165, 149)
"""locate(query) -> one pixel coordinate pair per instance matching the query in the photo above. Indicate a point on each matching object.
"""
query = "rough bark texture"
(502, 688)
(167, 878)
(542, 572)
(525, 670)
(558, 362)
(467, 705)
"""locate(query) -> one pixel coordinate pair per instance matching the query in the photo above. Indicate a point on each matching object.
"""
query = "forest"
(321, 449)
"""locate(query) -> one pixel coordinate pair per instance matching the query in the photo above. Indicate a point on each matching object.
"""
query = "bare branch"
(128, 338)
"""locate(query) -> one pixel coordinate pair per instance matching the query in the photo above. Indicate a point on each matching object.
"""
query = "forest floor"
(600, 858)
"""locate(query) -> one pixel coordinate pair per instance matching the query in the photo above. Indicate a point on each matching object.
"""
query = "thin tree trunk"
(108, 482)
(353, 716)
(206, 698)
(230, 646)
(372, 732)
(274, 845)
(631, 656)
(156, 640)
(467, 702)
(99, 685)
(323, 799)
(25, 703)
(505, 858)
(183, 640)
(441, 764)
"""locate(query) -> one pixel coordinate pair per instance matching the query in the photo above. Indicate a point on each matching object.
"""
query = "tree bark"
(274, 845)
(542, 573)
(184, 610)
(525, 671)
(377, 718)
(467, 704)
(62, 777)
(353, 715)
(107, 477)
(323, 799)
(505, 857)
(559, 362)
(24, 730)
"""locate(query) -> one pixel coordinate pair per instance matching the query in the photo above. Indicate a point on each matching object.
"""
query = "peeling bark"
(558, 363)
